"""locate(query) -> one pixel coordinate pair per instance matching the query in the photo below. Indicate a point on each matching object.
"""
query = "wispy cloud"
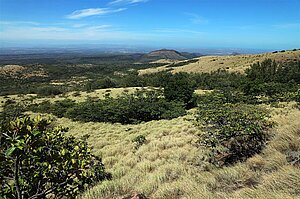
(79, 25)
(175, 31)
(115, 2)
(99, 28)
(196, 19)
(19, 23)
(78, 14)
(287, 25)
(48, 29)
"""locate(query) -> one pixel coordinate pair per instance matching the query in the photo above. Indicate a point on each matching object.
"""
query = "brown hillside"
(237, 63)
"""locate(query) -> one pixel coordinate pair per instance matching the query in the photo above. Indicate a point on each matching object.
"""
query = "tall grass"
(170, 165)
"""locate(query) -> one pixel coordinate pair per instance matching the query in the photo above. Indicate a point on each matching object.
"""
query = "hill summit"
(163, 54)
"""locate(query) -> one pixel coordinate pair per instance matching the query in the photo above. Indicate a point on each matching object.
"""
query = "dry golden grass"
(236, 63)
(76, 96)
(170, 165)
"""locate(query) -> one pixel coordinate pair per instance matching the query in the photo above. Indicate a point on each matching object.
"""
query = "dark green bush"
(139, 141)
(37, 161)
(179, 87)
(271, 71)
(49, 91)
(233, 132)
(141, 106)
(58, 108)
(127, 109)
(11, 111)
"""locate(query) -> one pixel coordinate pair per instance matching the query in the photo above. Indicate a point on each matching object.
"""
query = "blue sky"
(263, 24)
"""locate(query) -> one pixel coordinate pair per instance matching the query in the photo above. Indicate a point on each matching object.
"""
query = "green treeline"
(126, 109)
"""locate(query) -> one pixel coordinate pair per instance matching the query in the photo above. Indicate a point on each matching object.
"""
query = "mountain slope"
(163, 54)
(236, 63)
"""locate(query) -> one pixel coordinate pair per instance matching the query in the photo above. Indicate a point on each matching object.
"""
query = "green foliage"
(11, 110)
(233, 132)
(224, 96)
(271, 71)
(272, 89)
(179, 87)
(218, 80)
(58, 108)
(139, 141)
(276, 82)
(48, 91)
(297, 96)
(263, 72)
(38, 161)
(126, 109)
(100, 84)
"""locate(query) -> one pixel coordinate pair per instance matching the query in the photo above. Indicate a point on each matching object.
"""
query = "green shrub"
(179, 87)
(127, 109)
(233, 132)
(297, 97)
(141, 106)
(48, 91)
(139, 141)
(11, 111)
(58, 108)
(37, 161)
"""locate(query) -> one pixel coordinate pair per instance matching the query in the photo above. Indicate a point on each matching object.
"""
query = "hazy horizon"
(190, 24)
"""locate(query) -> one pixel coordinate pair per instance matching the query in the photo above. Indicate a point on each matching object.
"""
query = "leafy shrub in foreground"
(37, 161)
(233, 132)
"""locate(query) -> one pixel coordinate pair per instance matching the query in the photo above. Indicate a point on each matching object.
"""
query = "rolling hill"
(232, 63)
(163, 54)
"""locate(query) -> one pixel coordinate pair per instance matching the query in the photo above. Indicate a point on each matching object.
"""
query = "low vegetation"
(232, 132)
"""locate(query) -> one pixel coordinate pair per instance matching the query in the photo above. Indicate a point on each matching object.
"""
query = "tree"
(38, 161)
(179, 87)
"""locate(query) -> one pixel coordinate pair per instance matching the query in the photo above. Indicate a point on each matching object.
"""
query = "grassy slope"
(76, 96)
(169, 165)
(231, 63)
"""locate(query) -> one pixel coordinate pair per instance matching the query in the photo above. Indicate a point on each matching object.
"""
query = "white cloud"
(79, 25)
(19, 23)
(287, 25)
(78, 14)
(48, 29)
(92, 33)
(99, 28)
(126, 2)
(175, 31)
(196, 19)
